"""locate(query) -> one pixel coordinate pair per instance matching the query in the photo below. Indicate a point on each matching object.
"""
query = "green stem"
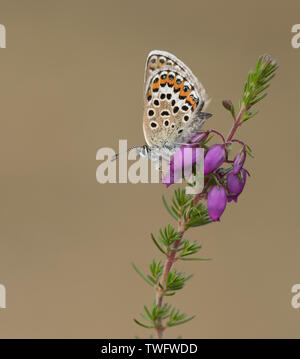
(236, 123)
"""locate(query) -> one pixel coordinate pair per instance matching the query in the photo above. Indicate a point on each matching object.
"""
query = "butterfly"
(173, 103)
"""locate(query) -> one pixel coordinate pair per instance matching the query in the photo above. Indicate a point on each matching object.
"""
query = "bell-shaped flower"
(239, 162)
(236, 184)
(216, 202)
(181, 164)
(214, 158)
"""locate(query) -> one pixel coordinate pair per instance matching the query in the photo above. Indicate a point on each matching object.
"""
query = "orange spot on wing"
(155, 85)
(171, 82)
(192, 102)
(163, 81)
(178, 86)
(183, 93)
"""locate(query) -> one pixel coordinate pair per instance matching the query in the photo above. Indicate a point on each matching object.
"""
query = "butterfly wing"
(174, 98)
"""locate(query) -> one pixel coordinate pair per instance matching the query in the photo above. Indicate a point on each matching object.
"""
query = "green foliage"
(156, 269)
(171, 243)
(189, 248)
(156, 314)
(168, 236)
(182, 208)
(176, 280)
(193, 215)
(258, 81)
(249, 151)
(177, 318)
(180, 203)
(197, 216)
(147, 280)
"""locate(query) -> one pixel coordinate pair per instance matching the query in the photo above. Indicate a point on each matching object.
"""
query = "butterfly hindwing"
(173, 103)
(174, 99)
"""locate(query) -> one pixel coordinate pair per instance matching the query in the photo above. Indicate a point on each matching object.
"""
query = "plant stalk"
(167, 267)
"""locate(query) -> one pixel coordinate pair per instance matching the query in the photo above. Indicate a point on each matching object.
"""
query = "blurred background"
(71, 83)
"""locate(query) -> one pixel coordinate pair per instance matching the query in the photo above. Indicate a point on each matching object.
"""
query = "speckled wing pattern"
(173, 101)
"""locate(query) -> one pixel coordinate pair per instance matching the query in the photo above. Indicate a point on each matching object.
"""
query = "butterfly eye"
(186, 118)
(151, 113)
(166, 123)
(153, 124)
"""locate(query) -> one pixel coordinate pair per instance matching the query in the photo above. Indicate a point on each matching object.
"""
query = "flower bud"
(239, 162)
(199, 137)
(235, 184)
(267, 60)
(216, 202)
(227, 104)
(214, 158)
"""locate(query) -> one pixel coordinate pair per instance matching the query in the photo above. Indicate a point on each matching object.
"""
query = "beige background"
(71, 82)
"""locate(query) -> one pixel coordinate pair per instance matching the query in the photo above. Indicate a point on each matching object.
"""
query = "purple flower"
(239, 162)
(235, 184)
(216, 202)
(214, 158)
(182, 161)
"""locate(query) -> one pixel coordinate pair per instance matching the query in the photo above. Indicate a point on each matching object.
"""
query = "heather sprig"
(224, 181)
